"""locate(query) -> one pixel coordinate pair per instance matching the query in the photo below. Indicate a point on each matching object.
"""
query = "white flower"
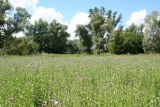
(55, 102)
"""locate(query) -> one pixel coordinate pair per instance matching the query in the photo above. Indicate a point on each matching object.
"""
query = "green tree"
(4, 7)
(133, 43)
(128, 41)
(151, 41)
(27, 46)
(115, 45)
(23, 22)
(11, 26)
(101, 25)
(73, 46)
(85, 39)
(52, 37)
(56, 40)
(38, 31)
(20, 46)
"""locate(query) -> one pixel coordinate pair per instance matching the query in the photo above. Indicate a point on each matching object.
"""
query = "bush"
(72, 47)
(125, 42)
(11, 46)
(28, 47)
(132, 43)
(115, 45)
(20, 46)
(2, 52)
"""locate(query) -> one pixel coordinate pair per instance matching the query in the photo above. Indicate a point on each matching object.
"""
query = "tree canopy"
(104, 33)
(101, 25)
(151, 42)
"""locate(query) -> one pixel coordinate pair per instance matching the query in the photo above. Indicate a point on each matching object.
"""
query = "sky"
(73, 12)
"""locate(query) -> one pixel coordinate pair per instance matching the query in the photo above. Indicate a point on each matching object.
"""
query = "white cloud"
(137, 17)
(78, 18)
(19, 34)
(47, 14)
(30, 5)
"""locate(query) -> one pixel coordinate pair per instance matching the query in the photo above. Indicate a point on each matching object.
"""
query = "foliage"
(22, 24)
(28, 46)
(85, 38)
(100, 35)
(57, 38)
(129, 41)
(20, 46)
(132, 43)
(4, 7)
(101, 25)
(73, 47)
(116, 43)
(9, 26)
(151, 42)
(52, 37)
(38, 31)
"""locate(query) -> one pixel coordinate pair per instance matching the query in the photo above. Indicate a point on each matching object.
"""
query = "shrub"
(115, 45)
(125, 42)
(20, 46)
(72, 47)
(28, 47)
(132, 43)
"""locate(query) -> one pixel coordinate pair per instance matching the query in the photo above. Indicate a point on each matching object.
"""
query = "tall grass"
(80, 81)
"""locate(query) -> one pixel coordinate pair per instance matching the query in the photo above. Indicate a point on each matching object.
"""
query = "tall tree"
(52, 37)
(56, 40)
(135, 28)
(23, 22)
(85, 39)
(101, 25)
(16, 25)
(38, 31)
(72, 46)
(4, 7)
(115, 44)
(151, 42)
(126, 41)
(10, 26)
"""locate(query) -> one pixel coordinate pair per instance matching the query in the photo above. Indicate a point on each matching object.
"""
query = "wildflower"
(55, 103)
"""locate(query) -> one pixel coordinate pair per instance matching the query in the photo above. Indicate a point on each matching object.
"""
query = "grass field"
(80, 81)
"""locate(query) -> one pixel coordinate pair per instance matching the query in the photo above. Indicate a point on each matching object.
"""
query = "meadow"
(80, 81)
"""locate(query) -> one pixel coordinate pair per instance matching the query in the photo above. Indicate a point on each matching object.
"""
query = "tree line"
(104, 33)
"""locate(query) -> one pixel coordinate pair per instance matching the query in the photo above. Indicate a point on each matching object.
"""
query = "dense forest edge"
(103, 34)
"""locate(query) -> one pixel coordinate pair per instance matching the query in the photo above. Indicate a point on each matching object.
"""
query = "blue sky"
(69, 7)
(73, 12)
